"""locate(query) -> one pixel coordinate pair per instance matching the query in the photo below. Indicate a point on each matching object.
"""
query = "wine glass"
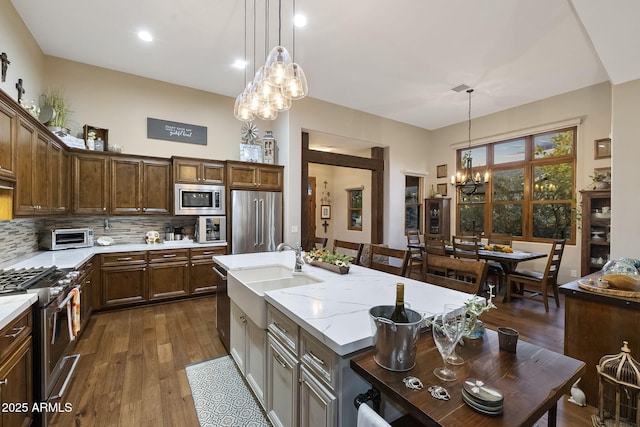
(458, 310)
(447, 329)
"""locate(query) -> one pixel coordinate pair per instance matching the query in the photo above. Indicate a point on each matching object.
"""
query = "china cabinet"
(437, 212)
(596, 229)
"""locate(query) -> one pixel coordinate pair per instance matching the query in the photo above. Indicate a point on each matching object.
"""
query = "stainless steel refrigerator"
(256, 221)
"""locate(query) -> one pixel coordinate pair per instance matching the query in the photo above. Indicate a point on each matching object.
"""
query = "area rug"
(221, 396)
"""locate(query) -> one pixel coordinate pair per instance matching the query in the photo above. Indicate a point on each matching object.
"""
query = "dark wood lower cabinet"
(131, 278)
(16, 370)
(168, 274)
(124, 285)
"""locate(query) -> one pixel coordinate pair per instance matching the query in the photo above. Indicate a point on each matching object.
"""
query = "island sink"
(247, 286)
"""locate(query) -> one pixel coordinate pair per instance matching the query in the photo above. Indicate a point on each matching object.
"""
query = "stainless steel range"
(53, 362)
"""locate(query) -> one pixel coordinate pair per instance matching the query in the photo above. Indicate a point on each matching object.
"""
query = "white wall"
(27, 60)
(625, 149)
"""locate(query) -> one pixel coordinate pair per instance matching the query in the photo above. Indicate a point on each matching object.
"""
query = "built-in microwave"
(211, 229)
(197, 199)
(66, 238)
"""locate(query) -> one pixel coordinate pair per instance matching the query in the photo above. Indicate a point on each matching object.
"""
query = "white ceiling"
(396, 59)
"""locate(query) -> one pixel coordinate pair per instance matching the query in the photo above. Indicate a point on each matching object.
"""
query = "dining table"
(532, 380)
(507, 260)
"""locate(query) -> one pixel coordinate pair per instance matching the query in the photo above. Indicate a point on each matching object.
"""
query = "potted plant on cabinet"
(601, 180)
(54, 99)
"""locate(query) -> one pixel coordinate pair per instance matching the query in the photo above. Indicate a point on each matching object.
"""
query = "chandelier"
(275, 84)
(466, 181)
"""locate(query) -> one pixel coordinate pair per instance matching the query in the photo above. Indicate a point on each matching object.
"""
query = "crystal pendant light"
(266, 111)
(296, 87)
(242, 110)
(280, 102)
(276, 65)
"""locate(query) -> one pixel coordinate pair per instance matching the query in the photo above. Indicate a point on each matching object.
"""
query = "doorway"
(375, 164)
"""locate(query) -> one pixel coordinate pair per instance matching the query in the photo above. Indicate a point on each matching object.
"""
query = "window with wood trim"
(354, 210)
(530, 193)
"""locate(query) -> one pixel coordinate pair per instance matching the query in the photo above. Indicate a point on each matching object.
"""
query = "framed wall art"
(442, 189)
(325, 212)
(441, 171)
(602, 148)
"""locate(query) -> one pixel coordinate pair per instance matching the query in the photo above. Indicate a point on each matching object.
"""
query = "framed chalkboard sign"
(176, 131)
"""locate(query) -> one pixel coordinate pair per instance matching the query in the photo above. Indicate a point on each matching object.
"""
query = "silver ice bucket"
(394, 344)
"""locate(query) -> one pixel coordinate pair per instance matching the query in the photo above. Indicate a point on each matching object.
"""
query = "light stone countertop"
(336, 310)
(72, 258)
(12, 305)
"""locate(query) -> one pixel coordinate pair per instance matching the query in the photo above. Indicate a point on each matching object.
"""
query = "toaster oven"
(67, 238)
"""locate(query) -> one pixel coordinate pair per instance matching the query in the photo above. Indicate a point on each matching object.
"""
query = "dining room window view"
(530, 194)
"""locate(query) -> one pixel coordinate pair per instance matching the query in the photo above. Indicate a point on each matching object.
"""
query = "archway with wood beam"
(375, 164)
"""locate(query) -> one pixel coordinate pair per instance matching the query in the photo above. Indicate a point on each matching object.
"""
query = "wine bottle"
(399, 315)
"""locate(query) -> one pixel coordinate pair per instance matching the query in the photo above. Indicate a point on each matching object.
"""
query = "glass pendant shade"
(266, 111)
(296, 87)
(275, 66)
(242, 110)
(280, 102)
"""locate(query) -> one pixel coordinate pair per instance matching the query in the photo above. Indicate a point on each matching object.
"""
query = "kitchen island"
(313, 331)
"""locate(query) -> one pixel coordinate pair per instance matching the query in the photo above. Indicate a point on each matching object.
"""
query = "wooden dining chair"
(352, 249)
(320, 242)
(416, 257)
(389, 260)
(465, 247)
(433, 246)
(534, 284)
(463, 275)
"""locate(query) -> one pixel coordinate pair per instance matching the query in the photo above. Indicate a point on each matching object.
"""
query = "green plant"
(601, 177)
(54, 98)
(329, 257)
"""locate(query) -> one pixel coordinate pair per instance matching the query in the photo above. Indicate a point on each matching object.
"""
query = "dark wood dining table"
(508, 261)
(532, 380)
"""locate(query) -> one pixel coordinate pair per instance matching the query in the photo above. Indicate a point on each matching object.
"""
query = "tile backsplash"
(19, 237)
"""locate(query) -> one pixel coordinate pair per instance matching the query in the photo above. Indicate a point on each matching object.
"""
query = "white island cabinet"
(312, 331)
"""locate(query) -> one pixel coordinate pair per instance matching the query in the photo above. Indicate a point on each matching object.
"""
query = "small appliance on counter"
(66, 238)
(211, 229)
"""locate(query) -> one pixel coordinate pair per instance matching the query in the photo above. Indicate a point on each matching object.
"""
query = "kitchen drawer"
(123, 258)
(169, 255)
(15, 332)
(283, 329)
(208, 252)
(319, 359)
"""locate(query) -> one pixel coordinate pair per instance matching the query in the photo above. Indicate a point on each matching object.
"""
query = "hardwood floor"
(132, 366)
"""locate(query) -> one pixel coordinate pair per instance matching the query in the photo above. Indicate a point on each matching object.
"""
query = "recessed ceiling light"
(240, 64)
(145, 35)
(300, 20)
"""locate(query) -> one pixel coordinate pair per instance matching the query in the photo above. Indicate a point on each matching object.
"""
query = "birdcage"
(619, 390)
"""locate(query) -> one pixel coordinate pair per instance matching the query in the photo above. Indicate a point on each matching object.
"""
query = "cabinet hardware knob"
(104, 209)
(4, 381)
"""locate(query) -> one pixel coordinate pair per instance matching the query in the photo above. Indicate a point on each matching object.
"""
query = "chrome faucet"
(298, 249)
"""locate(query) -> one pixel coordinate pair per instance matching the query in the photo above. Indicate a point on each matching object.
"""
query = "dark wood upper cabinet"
(8, 124)
(140, 186)
(90, 183)
(197, 171)
(32, 164)
(244, 175)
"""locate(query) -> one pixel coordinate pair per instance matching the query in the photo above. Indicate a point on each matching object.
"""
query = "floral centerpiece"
(322, 258)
